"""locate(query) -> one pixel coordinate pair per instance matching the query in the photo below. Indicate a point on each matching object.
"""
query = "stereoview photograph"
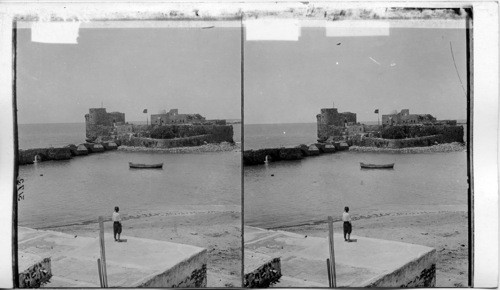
(355, 160)
(129, 154)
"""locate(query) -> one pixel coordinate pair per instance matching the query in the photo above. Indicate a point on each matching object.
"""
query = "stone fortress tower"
(332, 123)
(98, 122)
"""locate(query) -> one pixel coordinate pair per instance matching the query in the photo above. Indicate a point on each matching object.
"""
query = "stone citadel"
(174, 129)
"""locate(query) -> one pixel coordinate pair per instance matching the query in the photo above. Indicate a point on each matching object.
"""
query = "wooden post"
(103, 252)
(329, 273)
(100, 272)
(332, 252)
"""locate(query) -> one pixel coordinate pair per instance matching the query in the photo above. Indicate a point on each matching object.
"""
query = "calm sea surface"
(309, 190)
(304, 191)
(81, 189)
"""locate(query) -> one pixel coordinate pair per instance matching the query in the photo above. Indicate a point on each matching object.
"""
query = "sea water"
(306, 191)
(80, 189)
(277, 194)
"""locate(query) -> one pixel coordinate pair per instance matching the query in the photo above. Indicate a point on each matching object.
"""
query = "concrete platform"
(135, 263)
(364, 263)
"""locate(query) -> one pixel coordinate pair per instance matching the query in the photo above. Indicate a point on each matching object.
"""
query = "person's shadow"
(122, 240)
(352, 241)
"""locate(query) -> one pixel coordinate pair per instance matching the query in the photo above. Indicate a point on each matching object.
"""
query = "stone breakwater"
(30, 156)
(221, 147)
(447, 147)
(260, 156)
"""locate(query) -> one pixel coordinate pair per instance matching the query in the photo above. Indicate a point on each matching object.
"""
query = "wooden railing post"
(332, 253)
(103, 252)
(329, 273)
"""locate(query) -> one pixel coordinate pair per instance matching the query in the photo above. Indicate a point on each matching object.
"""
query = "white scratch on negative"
(374, 60)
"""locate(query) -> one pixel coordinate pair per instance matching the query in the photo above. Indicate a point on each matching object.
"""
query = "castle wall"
(325, 131)
(213, 134)
(99, 123)
(331, 123)
(173, 117)
(116, 117)
(404, 117)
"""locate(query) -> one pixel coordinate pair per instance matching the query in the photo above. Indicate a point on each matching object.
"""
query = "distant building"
(99, 123)
(331, 123)
(331, 116)
(405, 118)
(173, 117)
(99, 116)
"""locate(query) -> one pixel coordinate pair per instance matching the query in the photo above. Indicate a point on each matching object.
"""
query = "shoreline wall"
(215, 134)
(27, 156)
(426, 141)
(259, 156)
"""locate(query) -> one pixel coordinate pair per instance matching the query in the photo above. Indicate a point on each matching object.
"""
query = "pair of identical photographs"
(212, 153)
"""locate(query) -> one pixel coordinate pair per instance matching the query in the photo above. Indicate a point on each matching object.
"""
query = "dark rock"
(254, 157)
(304, 148)
(321, 147)
(59, 153)
(329, 148)
(290, 154)
(72, 148)
(81, 150)
(109, 145)
(313, 150)
(94, 148)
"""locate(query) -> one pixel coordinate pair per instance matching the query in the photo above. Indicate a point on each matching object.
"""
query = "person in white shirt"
(346, 217)
(117, 225)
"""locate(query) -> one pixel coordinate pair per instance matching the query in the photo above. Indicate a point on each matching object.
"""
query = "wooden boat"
(145, 166)
(376, 166)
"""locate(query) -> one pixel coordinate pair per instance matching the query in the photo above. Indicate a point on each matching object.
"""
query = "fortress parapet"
(405, 118)
(173, 117)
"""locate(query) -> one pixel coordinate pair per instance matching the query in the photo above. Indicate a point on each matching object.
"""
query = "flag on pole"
(145, 111)
(376, 111)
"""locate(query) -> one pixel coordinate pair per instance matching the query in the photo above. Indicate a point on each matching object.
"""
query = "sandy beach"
(216, 228)
(445, 230)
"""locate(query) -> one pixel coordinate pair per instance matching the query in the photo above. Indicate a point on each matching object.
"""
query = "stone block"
(34, 271)
(313, 150)
(290, 154)
(261, 270)
(95, 148)
(329, 148)
(304, 148)
(81, 150)
(109, 145)
(58, 153)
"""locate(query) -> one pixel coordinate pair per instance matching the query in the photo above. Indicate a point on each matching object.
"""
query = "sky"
(290, 81)
(192, 69)
(198, 71)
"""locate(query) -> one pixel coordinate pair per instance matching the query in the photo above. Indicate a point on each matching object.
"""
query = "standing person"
(117, 225)
(346, 217)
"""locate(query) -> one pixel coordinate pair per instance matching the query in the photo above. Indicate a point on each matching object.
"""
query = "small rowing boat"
(376, 166)
(145, 166)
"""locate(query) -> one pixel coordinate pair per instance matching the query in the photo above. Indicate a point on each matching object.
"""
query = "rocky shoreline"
(221, 147)
(440, 148)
